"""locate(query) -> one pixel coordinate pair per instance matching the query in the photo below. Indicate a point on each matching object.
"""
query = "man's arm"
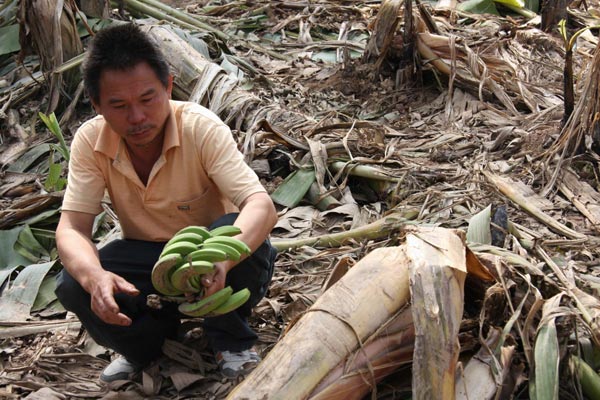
(79, 256)
(256, 220)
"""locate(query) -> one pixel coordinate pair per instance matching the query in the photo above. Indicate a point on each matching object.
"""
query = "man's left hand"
(216, 281)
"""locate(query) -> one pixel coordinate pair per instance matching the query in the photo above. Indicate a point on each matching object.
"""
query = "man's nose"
(136, 115)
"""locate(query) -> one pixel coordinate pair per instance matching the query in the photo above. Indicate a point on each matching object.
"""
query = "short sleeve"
(85, 182)
(225, 165)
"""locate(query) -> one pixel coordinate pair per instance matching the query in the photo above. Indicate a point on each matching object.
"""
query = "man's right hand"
(102, 290)
(80, 257)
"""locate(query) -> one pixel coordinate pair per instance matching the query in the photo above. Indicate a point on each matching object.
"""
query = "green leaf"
(326, 56)
(546, 362)
(589, 379)
(479, 227)
(479, 7)
(54, 181)
(49, 216)
(9, 39)
(28, 240)
(8, 12)
(45, 294)
(28, 159)
(52, 124)
(533, 5)
(512, 3)
(17, 300)
(9, 258)
(293, 189)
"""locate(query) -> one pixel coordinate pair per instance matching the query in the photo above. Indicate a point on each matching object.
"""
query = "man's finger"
(122, 319)
(206, 281)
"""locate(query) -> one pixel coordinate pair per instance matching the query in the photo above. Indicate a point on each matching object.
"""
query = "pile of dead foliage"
(392, 136)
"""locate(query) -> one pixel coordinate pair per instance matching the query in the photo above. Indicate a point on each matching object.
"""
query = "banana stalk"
(338, 322)
(376, 230)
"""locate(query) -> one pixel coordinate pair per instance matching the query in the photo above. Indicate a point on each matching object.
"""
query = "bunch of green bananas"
(188, 255)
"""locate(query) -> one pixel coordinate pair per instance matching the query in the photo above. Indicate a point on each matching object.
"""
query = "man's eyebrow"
(146, 93)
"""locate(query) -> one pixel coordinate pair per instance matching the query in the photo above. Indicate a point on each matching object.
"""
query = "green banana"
(186, 237)
(234, 301)
(161, 274)
(195, 283)
(237, 244)
(225, 230)
(207, 304)
(211, 255)
(198, 230)
(182, 248)
(232, 253)
(180, 278)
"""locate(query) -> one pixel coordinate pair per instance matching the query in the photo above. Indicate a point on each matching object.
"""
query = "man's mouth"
(139, 131)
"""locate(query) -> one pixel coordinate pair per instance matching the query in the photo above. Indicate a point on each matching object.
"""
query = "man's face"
(135, 104)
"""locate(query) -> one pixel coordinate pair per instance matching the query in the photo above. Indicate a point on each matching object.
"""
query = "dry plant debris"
(476, 128)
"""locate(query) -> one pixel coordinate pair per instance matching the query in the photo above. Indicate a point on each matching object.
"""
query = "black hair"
(121, 47)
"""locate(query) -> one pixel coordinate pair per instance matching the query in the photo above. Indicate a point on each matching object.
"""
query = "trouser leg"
(140, 342)
(231, 331)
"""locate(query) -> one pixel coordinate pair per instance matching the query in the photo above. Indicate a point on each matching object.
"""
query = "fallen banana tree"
(396, 306)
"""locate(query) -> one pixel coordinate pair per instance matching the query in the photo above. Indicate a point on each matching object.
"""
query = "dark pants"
(141, 342)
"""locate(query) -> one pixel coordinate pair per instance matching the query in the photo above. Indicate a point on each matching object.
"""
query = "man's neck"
(143, 158)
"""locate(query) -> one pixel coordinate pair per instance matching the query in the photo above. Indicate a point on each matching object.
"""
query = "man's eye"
(119, 106)
(147, 99)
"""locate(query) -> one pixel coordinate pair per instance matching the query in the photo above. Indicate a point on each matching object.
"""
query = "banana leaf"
(9, 258)
(46, 294)
(479, 227)
(588, 378)
(9, 39)
(16, 301)
(28, 241)
(479, 7)
(293, 189)
(545, 380)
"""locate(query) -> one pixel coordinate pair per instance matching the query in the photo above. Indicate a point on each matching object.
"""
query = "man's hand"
(102, 290)
(216, 281)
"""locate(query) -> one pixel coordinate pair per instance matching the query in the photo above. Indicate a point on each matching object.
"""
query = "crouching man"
(165, 165)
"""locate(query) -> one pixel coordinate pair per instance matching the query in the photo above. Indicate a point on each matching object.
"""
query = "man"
(165, 165)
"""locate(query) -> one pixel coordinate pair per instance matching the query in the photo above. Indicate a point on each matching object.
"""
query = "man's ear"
(96, 107)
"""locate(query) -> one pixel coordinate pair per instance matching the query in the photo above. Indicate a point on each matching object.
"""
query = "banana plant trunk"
(337, 324)
(396, 306)
(48, 28)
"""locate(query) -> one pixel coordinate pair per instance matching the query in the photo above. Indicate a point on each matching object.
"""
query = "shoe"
(237, 363)
(120, 369)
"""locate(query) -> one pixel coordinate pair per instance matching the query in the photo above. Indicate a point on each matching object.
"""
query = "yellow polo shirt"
(199, 176)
